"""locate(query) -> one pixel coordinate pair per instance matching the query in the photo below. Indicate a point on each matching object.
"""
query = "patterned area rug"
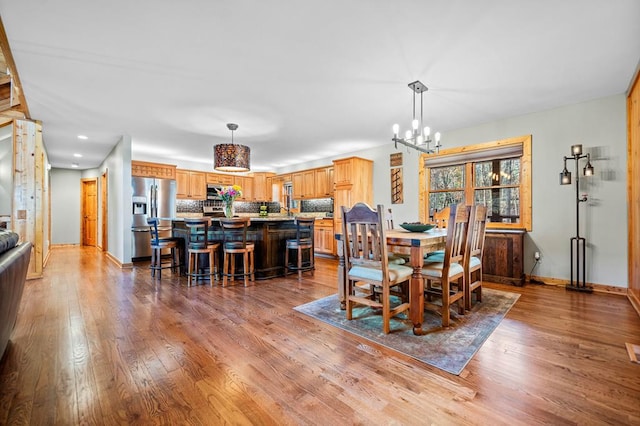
(448, 349)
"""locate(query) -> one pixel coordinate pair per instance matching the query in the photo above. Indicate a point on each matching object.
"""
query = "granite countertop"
(253, 218)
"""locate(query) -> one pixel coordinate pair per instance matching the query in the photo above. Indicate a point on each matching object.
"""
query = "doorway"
(89, 213)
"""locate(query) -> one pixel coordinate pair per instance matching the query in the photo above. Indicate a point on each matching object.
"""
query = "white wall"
(65, 206)
(118, 167)
(6, 170)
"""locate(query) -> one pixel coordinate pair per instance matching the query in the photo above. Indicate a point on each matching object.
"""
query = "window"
(496, 174)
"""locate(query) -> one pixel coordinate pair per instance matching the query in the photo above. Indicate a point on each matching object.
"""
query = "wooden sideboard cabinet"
(503, 256)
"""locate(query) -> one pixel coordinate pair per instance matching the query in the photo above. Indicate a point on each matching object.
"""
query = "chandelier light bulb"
(408, 135)
(396, 130)
(414, 124)
(419, 140)
(427, 132)
(437, 138)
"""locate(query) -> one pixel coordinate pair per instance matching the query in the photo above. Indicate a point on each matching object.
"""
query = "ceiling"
(304, 80)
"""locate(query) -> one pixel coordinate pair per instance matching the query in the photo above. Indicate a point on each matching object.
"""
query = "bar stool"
(234, 244)
(157, 245)
(303, 241)
(198, 244)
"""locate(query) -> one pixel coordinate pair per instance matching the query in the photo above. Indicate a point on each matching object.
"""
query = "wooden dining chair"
(393, 257)
(449, 273)
(366, 260)
(473, 254)
(441, 218)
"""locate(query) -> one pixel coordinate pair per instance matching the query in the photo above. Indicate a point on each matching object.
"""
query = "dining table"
(414, 245)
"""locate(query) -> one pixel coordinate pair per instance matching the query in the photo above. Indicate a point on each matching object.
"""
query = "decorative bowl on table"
(417, 226)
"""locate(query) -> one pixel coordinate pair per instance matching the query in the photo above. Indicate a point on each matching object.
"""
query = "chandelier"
(230, 157)
(418, 137)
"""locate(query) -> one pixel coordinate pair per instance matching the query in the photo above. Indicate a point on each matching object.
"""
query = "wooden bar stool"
(157, 245)
(235, 243)
(197, 245)
(303, 242)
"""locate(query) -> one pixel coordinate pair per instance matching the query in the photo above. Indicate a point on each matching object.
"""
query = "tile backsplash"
(319, 205)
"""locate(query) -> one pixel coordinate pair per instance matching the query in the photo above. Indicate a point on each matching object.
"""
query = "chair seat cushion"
(397, 273)
(436, 256)
(434, 269)
(304, 242)
(237, 245)
(395, 259)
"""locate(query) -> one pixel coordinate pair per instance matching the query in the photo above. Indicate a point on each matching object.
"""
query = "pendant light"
(230, 157)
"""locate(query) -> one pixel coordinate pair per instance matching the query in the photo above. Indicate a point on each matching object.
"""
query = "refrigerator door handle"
(153, 201)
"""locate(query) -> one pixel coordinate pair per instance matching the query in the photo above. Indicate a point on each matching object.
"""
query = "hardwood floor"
(97, 345)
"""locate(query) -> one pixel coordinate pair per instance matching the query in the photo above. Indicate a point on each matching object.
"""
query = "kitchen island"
(269, 234)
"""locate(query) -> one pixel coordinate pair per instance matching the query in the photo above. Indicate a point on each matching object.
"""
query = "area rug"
(449, 349)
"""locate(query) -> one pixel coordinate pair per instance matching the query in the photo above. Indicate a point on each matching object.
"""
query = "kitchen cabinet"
(191, 185)
(353, 183)
(154, 170)
(304, 184)
(262, 186)
(323, 236)
(503, 256)
(324, 182)
(219, 179)
(246, 183)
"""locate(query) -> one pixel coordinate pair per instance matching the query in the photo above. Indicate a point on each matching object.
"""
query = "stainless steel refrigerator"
(151, 198)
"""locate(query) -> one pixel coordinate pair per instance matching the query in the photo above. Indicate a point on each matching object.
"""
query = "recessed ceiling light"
(74, 165)
(77, 155)
(83, 137)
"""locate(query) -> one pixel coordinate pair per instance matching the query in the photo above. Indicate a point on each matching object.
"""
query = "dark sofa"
(14, 262)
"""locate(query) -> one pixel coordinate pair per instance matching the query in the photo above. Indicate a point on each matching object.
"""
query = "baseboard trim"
(117, 262)
(600, 288)
(635, 302)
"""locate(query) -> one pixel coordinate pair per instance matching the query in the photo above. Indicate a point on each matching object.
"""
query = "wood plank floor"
(98, 345)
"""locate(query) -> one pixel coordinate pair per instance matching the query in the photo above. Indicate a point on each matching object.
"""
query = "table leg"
(416, 292)
(342, 279)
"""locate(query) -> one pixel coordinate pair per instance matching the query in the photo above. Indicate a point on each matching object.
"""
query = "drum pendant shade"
(230, 157)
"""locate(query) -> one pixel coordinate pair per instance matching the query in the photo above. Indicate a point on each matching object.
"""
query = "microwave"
(212, 191)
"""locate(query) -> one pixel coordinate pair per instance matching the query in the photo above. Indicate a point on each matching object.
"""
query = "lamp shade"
(230, 157)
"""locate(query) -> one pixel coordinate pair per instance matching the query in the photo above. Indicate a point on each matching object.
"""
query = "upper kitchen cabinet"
(304, 184)
(246, 183)
(155, 170)
(324, 182)
(191, 185)
(262, 186)
(219, 179)
(354, 183)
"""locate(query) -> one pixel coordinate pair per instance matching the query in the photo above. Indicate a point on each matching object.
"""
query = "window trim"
(479, 152)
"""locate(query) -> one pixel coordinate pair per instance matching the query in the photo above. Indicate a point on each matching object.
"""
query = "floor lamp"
(578, 243)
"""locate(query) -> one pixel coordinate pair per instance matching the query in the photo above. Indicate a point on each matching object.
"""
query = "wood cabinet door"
(309, 184)
(342, 171)
(259, 187)
(324, 182)
(246, 183)
(182, 184)
(297, 180)
(197, 185)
